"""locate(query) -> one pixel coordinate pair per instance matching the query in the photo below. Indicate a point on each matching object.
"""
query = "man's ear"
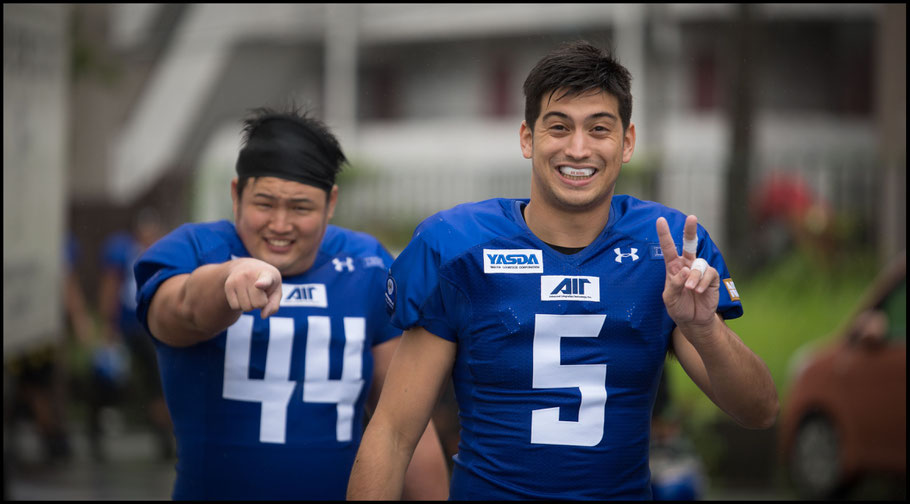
(332, 200)
(628, 144)
(526, 137)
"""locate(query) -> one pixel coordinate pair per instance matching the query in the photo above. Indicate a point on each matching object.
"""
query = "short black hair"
(578, 67)
(304, 130)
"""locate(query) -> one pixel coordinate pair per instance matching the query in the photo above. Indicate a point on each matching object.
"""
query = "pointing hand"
(253, 284)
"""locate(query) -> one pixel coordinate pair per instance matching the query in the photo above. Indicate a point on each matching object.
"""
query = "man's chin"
(273, 259)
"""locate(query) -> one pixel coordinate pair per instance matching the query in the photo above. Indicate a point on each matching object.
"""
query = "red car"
(846, 415)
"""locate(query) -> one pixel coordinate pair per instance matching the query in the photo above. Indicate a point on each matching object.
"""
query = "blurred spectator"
(74, 301)
(126, 360)
(37, 388)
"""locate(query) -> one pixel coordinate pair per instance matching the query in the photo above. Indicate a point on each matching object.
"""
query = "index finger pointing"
(273, 305)
(667, 245)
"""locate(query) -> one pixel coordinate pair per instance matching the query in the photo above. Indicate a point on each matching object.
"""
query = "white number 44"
(275, 388)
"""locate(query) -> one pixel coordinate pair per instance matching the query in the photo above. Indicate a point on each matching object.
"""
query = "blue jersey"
(273, 409)
(558, 356)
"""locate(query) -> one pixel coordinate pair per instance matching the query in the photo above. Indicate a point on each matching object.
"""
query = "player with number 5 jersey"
(559, 355)
(271, 332)
(554, 314)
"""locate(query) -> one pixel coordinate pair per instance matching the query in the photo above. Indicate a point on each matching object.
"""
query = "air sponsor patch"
(569, 288)
(310, 295)
(512, 261)
(731, 289)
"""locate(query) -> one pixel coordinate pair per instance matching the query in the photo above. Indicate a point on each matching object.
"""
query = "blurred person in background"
(271, 331)
(125, 365)
(38, 391)
(554, 314)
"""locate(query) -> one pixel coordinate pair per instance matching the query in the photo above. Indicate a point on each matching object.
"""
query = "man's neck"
(566, 228)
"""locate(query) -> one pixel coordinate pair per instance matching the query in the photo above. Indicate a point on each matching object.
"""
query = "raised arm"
(190, 308)
(714, 356)
(412, 384)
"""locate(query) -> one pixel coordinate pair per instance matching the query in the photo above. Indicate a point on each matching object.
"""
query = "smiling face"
(576, 148)
(282, 222)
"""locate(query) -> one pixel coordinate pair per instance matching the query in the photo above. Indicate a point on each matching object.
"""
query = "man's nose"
(577, 147)
(280, 222)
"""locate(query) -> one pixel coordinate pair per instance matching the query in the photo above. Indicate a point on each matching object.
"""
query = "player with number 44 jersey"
(271, 332)
(259, 399)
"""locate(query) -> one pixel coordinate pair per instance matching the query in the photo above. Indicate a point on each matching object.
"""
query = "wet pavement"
(132, 470)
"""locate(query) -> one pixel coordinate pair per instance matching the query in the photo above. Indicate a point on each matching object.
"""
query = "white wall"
(35, 94)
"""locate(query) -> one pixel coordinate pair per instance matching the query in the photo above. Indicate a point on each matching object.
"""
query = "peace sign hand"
(691, 290)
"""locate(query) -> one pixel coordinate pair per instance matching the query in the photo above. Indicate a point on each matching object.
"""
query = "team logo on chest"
(310, 295)
(569, 288)
(341, 265)
(620, 255)
(512, 261)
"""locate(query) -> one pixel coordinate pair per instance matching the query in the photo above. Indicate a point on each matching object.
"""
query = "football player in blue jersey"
(271, 332)
(554, 314)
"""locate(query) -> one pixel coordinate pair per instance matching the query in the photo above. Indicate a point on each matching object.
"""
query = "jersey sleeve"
(179, 252)
(728, 305)
(413, 292)
(381, 261)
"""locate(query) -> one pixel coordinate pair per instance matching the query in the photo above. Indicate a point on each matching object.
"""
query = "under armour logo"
(347, 263)
(619, 255)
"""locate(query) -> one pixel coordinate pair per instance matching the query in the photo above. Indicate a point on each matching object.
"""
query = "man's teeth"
(280, 243)
(576, 172)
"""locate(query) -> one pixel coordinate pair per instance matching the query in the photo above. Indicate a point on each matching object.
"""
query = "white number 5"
(275, 388)
(548, 372)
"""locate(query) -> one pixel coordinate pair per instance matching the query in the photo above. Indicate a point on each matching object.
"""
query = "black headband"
(283, 148)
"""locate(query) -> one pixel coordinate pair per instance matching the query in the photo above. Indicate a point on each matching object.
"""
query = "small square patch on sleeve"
(731, 289)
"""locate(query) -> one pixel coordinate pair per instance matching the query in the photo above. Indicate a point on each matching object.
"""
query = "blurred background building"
(113, 108)
(427, 100)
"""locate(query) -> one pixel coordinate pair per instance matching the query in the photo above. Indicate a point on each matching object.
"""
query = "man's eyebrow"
(276, 198)
(561, 115)
(599, 115)
(554, 114)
